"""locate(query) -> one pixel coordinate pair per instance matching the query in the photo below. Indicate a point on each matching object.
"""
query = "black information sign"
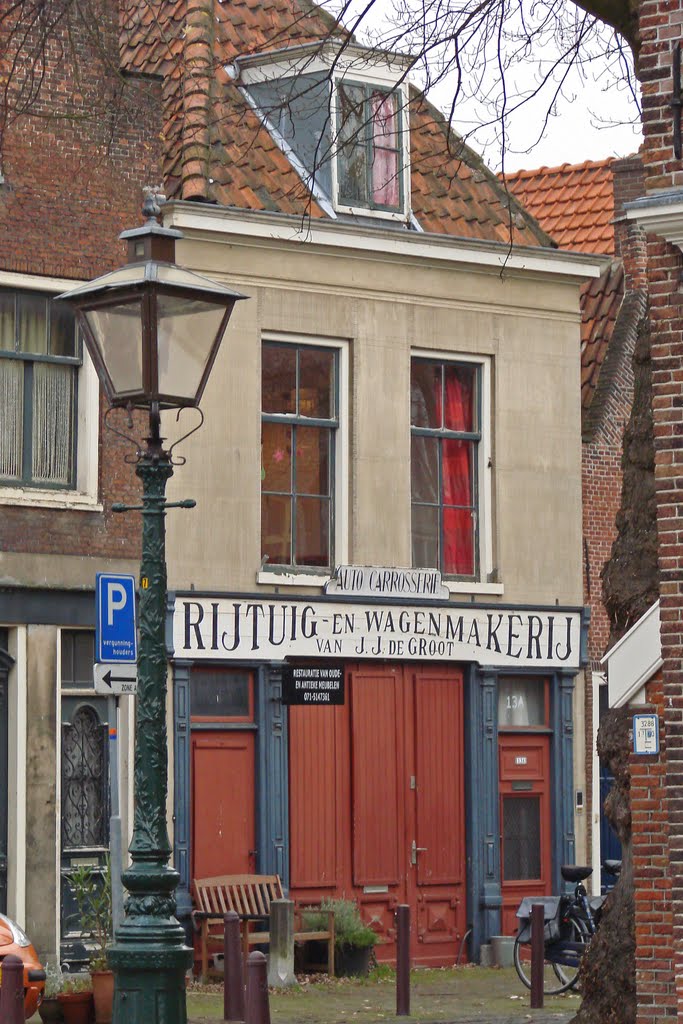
(313, 684)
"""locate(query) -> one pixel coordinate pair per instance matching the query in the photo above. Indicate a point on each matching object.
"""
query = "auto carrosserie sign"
(273, 629)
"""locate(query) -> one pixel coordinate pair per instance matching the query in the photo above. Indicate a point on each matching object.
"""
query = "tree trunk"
(607, 976)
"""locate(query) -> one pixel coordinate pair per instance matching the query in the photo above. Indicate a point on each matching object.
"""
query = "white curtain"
(53, 404)
(11, 417)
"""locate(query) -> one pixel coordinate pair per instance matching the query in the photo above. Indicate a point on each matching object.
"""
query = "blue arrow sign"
(115, 630)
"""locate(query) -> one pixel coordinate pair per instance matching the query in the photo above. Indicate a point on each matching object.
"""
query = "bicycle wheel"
(578, 932)
(556, 977)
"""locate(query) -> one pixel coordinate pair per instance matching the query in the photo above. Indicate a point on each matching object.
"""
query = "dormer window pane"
(385, 161)
(369, 161)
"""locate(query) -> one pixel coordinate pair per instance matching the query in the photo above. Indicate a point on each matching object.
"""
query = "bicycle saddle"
(612, 867)
(575, 872)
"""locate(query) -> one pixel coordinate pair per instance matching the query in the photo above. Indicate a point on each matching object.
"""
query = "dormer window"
(369, 149)
(346, 128)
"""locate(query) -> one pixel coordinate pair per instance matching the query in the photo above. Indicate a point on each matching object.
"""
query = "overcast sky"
(593, 114)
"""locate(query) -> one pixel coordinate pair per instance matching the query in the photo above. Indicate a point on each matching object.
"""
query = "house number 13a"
(515, 702)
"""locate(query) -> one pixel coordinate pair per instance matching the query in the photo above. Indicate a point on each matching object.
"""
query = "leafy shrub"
(349, 930)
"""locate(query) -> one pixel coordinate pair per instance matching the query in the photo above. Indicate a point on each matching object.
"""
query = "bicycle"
(570, 922)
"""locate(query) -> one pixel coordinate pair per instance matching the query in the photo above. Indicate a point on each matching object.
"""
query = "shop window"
(40, 357)
(445, 465)
(370, 151)
(299, 430)
(521, 838)
(522, 702)
(221, 694)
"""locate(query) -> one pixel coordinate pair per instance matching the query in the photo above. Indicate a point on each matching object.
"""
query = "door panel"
(312, 796)
(524, 763)
(436, 876)
(223, 831)
(376, 739)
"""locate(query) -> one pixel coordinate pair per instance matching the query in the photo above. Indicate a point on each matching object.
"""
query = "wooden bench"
(250, 897)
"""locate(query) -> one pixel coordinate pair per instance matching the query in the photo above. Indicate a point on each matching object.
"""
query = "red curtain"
(456, 474)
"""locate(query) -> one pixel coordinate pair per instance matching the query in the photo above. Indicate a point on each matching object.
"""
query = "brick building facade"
(657, 212)
(72, 167)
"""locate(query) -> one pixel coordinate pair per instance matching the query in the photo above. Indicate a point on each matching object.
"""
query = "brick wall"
(602, 448)
(661, 22)
(655, 968)
(74, 166)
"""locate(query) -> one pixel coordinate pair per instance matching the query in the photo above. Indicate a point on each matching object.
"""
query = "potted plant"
(50, 1008)
(75, 998)
(354, 941)
(92, 892)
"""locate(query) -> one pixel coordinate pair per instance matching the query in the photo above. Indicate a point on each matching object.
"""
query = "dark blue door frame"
(271, 783)
(6, 663)
(482, 793)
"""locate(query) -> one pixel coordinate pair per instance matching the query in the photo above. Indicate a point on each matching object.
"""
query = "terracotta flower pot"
(103, 994)
(77, 1007)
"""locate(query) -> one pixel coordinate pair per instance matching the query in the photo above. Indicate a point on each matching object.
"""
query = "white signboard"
(378, 582)
(227, 628)
(121, 678)
(645, 734)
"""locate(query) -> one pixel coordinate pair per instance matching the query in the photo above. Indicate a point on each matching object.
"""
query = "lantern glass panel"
(187, 330)
(117, 331)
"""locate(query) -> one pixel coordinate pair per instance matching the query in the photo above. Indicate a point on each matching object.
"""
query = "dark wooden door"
(525, 824)
(5, 663)
(223, 828)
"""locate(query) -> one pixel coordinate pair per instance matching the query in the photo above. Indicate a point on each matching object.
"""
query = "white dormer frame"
(342, 62)
(401, 91)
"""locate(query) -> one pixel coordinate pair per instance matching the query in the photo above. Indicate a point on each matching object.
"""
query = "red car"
(14, 940)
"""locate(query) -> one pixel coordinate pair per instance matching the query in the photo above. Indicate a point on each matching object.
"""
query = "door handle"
(414, 850)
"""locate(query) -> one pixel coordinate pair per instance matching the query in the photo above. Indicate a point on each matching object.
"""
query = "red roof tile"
(574, 203)
(216, 149)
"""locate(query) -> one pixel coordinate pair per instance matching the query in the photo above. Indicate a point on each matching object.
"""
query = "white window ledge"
(305, 579)
(35, 498)
(468, 587)
(292, 579)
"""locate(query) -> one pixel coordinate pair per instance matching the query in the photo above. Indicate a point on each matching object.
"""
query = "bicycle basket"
(551, 917)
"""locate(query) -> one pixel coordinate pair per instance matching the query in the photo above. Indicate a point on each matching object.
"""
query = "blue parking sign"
(115, 630)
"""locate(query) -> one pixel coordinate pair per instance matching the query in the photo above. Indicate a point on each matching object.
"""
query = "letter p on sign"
(115, 630)
(115, 601)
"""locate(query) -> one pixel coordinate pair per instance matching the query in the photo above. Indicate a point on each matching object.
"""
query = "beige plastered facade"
(381, 307)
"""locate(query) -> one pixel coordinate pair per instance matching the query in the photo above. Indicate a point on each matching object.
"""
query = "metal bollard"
(233, 974)
(12, 991)
(537, 955)
(403, 960)
(258, 1007)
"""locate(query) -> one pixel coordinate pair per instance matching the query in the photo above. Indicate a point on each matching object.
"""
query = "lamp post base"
(150, 969)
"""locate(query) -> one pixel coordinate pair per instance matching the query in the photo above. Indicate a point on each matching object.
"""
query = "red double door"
(377, 803)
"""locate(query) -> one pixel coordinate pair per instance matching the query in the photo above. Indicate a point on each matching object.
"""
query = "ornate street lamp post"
(153, 331)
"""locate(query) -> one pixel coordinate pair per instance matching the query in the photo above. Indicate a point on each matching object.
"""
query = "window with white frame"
(40, 357)
(299, 434)
(446, 485)
(371, 141)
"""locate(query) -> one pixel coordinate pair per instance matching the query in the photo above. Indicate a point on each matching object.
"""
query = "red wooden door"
(223, 833)
(525, 825)
(436, 877)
